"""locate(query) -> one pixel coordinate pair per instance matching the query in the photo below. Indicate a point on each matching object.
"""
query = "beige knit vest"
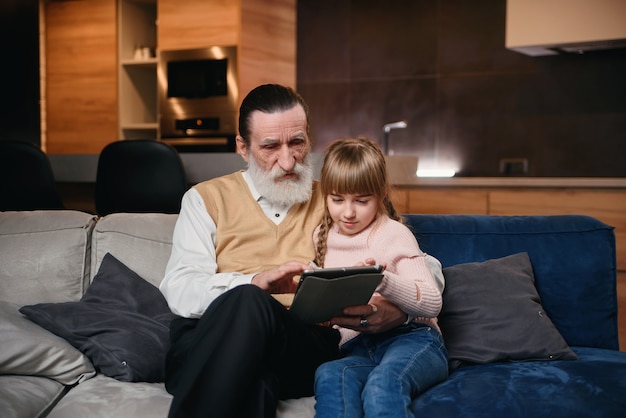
(247, 241)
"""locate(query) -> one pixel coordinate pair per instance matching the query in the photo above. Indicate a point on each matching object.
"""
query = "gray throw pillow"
(28, 349)
(121, 323)
(492, 312)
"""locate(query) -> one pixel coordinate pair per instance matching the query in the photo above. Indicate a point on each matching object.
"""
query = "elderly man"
(239, 238)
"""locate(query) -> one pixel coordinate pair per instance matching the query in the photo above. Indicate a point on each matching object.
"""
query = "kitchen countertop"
(82, 168)
(547, 182)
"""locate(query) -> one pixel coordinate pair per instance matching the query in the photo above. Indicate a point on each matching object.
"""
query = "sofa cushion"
(45, 255)
(28, 349)
(121, 323)
(593, 386)
(104, 397)
(142, 241)
(28, 396)
(492, 312)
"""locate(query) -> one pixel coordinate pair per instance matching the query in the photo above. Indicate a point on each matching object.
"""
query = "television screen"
(195, 79)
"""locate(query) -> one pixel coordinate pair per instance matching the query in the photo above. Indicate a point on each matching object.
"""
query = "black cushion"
(121, 323)
(492, 312)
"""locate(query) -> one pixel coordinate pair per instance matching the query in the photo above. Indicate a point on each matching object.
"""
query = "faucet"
(387, 127)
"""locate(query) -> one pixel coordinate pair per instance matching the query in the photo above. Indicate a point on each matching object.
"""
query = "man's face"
(277, 139)
(277, 155)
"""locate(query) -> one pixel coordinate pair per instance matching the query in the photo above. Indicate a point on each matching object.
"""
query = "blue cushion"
(593, 386)
(573, 258)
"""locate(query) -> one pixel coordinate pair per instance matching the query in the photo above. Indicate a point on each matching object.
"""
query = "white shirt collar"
(255, 193)
(273, 211)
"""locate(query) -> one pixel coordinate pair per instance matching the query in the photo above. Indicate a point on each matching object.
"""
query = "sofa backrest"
(573, 258)
(44, 255)
(51, 256)
(142, 241)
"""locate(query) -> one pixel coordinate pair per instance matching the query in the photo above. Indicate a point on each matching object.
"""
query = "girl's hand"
(370, 262)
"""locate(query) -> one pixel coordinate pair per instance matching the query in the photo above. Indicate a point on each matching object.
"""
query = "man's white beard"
(285, 192)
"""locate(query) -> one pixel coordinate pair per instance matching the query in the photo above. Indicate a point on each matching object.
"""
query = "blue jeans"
(381, 373)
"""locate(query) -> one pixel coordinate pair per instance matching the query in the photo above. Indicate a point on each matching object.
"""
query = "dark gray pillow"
(492, 312)
(121, 323)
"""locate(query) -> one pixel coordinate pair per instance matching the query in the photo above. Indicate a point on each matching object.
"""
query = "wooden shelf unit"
(98, 91)
(137, 73)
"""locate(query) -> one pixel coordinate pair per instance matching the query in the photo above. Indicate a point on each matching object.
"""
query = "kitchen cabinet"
(197, 23)
(264, 32)
(266, 48)
(98, 90)
(80, 79)
(447, 201)
(100, 85)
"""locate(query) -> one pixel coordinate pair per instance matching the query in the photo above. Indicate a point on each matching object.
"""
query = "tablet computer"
(335, 272)
(324, 293)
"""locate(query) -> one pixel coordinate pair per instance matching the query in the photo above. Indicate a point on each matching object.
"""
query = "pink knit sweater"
(408, 282)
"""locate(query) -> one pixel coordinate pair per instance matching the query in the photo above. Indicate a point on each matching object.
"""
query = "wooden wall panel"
(607, 206)
(81, 76)
(449, 201)
(197, 23)
(267, 44)
(400, 199)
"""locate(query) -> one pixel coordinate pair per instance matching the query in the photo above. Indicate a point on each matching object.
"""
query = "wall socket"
(513, 166)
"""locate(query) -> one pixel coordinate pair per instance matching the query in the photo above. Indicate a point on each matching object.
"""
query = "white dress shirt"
(191, 282)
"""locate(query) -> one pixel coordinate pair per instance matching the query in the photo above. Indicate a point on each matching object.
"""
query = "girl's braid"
(391, 210)
(320, 250)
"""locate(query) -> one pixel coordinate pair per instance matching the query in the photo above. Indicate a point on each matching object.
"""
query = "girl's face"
(352, 213)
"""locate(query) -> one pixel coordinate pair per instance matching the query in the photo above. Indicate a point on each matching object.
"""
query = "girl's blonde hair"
(353, 166)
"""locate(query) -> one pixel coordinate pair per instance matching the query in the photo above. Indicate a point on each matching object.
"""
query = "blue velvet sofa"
(573, 260)
(529, 317)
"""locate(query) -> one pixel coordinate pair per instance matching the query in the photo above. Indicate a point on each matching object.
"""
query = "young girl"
(379, 374)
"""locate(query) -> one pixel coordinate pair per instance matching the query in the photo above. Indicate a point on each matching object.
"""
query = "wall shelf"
(148, 62)
(137, 77)
(140, 126)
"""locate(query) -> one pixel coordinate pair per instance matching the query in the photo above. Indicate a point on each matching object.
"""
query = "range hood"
(549, 27)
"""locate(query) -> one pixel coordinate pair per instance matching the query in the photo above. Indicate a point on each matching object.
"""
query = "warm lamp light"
(435, 172)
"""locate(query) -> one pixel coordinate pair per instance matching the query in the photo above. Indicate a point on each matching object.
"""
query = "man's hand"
(378, 316)
(280, 279)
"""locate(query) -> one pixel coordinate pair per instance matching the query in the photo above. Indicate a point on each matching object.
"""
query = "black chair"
(140, 176)
(26, 178)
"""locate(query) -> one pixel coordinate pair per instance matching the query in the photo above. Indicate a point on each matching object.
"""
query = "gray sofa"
(51, 257)
(48, 259)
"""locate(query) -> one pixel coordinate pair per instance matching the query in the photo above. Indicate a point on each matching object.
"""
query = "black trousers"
(244, 354)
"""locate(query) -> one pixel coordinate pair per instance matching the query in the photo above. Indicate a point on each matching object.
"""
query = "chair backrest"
(139, 176)
(26, 178)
